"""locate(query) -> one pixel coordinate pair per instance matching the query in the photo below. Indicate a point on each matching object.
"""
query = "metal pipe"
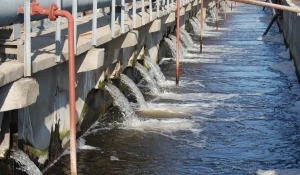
(177, 42)
(225, 4)
(157, 6)
(9, 9)
(201, 22)
(150, 9)
(122, 15)
(217, 14)
(94, 35)
(53, 13)
(143, 12)
(113, 18)
(58, 35)
(27, 60)
(134, 13)
(168, 6)
(74, 13)
(275, 6)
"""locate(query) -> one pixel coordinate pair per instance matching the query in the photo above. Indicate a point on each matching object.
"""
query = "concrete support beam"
(129, 40)
(10, 71)
(19, 94)
(171, 18)
(188, 7)
(92, 60)
(155, 26)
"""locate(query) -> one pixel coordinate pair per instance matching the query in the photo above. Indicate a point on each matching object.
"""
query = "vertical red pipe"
(72, 94)
(177, 42)
(225, 8)
(201, 25)
(217, 14)
(52, 13)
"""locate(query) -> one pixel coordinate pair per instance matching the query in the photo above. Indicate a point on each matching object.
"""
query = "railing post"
(143, 12)
(150, 9)
(113, 17)
(134, 13)
(74, 14)
(122, 15)
(225, 8)
(157, 6)
(58, 35)
(27, 50)
(94, 35)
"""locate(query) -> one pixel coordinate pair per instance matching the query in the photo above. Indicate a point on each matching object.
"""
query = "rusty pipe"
(53, 13)
(177, 42)
(217, 14)
(201, 25)
(275, 6)
(225, 4)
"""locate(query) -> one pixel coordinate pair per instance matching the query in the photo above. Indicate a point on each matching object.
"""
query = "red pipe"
(53, 13)
(177, 42)
(201, 23)
(217, 14)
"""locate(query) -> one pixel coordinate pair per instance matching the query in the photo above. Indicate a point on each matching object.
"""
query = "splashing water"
(156, 70)
(139, 96)
(182, 50)
(26, 165)
(186, 38)
(172, 47)
(196, 28)
(122, 102)
(151, 82)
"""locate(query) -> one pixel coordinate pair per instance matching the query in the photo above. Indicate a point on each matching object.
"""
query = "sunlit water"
(234, 113)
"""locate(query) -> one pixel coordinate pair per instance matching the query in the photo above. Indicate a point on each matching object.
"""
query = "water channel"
(235, 111)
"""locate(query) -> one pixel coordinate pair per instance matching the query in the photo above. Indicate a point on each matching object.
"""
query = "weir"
(237, 103)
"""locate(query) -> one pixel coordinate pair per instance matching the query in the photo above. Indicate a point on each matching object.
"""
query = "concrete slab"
(19, 94)
(155, 26)
(10, 71)
(171, 18)
(93, 60)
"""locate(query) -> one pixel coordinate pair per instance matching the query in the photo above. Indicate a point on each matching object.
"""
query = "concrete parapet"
(18, 94)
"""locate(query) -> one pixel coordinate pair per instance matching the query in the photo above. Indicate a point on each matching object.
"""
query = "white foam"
(114, 158)
(287, 68)
(82, 146)
(266, 172)
(285, 54)
(196, 96)
(162, 125)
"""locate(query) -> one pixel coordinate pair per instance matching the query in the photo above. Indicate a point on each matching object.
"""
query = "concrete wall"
(291, 28)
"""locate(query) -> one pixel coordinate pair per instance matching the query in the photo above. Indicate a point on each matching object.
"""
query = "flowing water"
(160, 77)
(186, 38)
(172, 47)
(183, 49)
(24, 163)
(235, 112)
(151, 82)
(121, 101)
(139, 96)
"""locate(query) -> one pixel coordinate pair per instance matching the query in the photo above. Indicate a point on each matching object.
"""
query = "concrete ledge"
(171, 18)
(10, 71)
(93, 60)
(155, 26)
(19, 94)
